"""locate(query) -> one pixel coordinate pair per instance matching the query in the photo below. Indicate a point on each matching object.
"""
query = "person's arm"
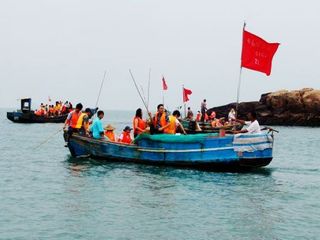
(240, 131)
(164, 127)
(182, 128)
(240, 121)
(101, 131)
(67, 120)
(136, 122)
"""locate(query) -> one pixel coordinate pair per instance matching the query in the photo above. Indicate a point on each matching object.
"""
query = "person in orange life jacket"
(198, 117)
(160, 120)
(203, 110)
(86, 121)
(139, 125)
(109, 133)
(96, 127)
(189, 114)
(125, 136)
(73, 122)
(174, 124)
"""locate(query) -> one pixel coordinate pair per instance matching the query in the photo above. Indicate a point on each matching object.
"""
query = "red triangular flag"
(257, 54)
(164, 84)
(186, 93)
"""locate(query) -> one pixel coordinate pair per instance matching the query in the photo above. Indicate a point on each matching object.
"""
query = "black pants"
(69, 133)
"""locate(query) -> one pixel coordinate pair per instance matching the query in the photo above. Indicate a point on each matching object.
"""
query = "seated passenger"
(109, 133)
(174, 124)
(96, 127)
(198, 117)
(125, 136)
(252, 126)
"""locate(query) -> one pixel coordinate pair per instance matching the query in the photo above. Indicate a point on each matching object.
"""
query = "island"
(285, 108)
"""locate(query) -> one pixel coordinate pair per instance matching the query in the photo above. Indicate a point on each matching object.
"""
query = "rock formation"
(290, 108)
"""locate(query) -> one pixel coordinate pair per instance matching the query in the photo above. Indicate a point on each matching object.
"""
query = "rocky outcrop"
(290, 108)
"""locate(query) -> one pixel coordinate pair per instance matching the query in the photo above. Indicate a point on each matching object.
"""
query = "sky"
(61, 49)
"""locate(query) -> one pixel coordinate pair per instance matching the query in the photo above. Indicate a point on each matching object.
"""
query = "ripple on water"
(47, 194)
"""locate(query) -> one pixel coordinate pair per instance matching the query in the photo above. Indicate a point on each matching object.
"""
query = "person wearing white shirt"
(252, 125)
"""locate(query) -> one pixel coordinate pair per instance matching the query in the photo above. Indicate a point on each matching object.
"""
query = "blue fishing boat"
(206, 151)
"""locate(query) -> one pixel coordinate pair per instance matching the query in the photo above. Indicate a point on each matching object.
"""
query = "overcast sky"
(61, 48)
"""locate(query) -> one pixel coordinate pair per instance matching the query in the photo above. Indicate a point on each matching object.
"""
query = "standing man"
(74, 123)
(160, 120)
(96, 127)
(203, 110)
(252, 125)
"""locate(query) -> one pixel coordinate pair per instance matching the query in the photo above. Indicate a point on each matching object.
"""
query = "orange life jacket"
(163, 121)
(110, 135)
(171, 129)
(198, 118)
(76, 119)
(141, 125)
(126, 138)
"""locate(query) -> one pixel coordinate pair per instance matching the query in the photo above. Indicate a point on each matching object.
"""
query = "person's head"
(252, 115)
(79, 107)
(198, 112)
(139, 113)
(127, 129)
(189, 108)
(204, 100)
(160, 108)
(100, 114)
(176, 113)
(88, 111)
(109, 128)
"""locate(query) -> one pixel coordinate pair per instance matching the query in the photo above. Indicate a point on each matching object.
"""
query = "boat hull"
(205, 152)
(30, 117)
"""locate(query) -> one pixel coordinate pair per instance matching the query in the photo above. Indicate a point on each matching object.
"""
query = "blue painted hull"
(202, 150)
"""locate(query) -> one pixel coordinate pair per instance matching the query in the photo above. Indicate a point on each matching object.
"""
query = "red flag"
(257, 54)
(164, 84)
(186, 93)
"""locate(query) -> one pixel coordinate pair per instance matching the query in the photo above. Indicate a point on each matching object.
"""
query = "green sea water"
(47, 194)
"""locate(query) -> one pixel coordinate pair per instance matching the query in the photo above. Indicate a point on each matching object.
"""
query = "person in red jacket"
(125, 136)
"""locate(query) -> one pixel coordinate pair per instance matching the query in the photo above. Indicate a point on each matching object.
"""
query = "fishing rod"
(137, 88)
(149, 87)
(104, 76)
(48, 138)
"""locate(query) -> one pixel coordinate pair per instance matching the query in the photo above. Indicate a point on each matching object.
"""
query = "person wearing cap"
(125, 136)
(109, 133)
(96, 127)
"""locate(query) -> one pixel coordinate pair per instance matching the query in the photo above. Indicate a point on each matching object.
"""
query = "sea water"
(47, 194)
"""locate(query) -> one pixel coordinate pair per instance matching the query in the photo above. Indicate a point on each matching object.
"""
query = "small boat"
(26, 115)
(205, 151)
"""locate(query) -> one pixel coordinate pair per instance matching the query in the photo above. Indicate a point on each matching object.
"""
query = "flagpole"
(240, 74)
(184, 103)
(162, 91)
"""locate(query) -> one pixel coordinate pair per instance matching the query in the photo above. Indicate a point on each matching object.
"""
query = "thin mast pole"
(240, 74)
(104, 76)
(149, 88)
(137, 88)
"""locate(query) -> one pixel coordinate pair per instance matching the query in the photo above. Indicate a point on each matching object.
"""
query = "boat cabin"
(26, 105)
